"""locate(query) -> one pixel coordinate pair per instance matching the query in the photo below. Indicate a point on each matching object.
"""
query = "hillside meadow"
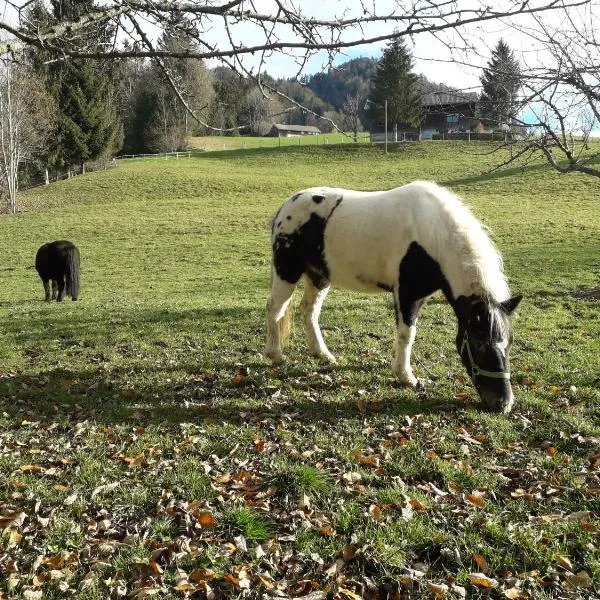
(148, 449)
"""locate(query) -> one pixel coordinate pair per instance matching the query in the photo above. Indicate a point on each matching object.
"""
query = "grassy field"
(148, 449)
(217, 142)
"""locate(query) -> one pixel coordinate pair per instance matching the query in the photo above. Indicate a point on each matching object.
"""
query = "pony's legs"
(54, 289)
(311, 304)
(61, 289)
(405, 337)
(277, 306)
(46, 283)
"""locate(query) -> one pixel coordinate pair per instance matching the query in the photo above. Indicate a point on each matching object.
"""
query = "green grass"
(141, 430)
(216, 142)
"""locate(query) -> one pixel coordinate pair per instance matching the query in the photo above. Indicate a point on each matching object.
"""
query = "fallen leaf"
(475, 499)
(375, 511)
(437, 589)
(102, 489)
(202, 575)
(417, 504)
(481, 562)
(515, 594)
(564, 562)
(31, 468)
(581, 579)
(206, 519)
(482, 580)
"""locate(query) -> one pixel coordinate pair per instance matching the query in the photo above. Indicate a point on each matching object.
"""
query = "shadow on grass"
(223, 394)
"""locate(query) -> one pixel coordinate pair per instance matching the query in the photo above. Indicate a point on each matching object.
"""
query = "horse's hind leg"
(46, 283)
(277, 316)
(311, 304)
(61, 289)
(54, 290)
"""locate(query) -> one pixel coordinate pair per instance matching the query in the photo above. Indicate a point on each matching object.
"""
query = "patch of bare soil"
(590, 294)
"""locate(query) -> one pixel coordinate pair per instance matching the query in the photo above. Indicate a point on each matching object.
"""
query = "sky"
(432, 58)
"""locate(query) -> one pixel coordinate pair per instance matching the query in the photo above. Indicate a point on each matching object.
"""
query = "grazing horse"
(58, 262)
(410, 241)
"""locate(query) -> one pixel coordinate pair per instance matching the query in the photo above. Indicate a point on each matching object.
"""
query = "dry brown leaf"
(31, 468)
(185, 587)
(11, 520)
(579, 516)
(202, 575)
(564, 562)
(581, 579)
(335, 568)
(231, 578)
(482, 580)
(206, 519)
(475, 499)
(375, 511)
(418, 505)
(372, 460)
(515, 594)
(438, 590)
(349, 552)
(135, 461)
(344, 593)
(481, 562)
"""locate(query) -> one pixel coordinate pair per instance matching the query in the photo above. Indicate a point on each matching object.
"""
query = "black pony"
(59, 262)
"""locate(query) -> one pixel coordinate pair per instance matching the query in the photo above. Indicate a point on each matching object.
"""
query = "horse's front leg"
(54, 289)
(405, 336)
(312, 301)
(407, 310)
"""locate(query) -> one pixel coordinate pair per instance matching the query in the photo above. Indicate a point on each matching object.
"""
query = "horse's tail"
(72, 272)
(286, 324)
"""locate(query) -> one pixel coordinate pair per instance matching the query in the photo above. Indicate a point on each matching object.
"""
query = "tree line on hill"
(86, 110)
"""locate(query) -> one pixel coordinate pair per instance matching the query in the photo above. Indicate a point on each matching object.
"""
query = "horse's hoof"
(407, 380)
(326, 358)
(422, 383)
(275, 357)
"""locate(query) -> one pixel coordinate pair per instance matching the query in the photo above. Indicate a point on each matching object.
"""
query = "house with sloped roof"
(445, 111)
(280, 130)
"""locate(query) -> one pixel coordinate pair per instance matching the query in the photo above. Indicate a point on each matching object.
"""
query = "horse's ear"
(509, 306)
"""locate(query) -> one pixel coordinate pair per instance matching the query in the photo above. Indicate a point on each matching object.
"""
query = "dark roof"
(442, 98)
(310, 128)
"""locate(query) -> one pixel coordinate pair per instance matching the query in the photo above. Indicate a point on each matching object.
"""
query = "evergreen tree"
(501, 81)
(395, 82)
(88, 126)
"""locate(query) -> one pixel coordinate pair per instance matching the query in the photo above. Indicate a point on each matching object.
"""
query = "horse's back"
(51, 258)
(360, 236)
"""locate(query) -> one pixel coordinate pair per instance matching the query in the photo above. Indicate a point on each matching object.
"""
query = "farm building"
(279, 130)
(445, 112)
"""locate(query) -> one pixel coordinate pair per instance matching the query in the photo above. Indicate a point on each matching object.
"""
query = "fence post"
(46, 178)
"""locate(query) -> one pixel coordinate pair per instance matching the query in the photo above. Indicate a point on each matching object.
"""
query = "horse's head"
(483, 340)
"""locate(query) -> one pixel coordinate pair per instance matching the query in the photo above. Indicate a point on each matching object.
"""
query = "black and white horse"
(410, 241)
(57, 264)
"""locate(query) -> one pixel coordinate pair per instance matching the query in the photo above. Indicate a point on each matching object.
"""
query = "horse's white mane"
(480, 261)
